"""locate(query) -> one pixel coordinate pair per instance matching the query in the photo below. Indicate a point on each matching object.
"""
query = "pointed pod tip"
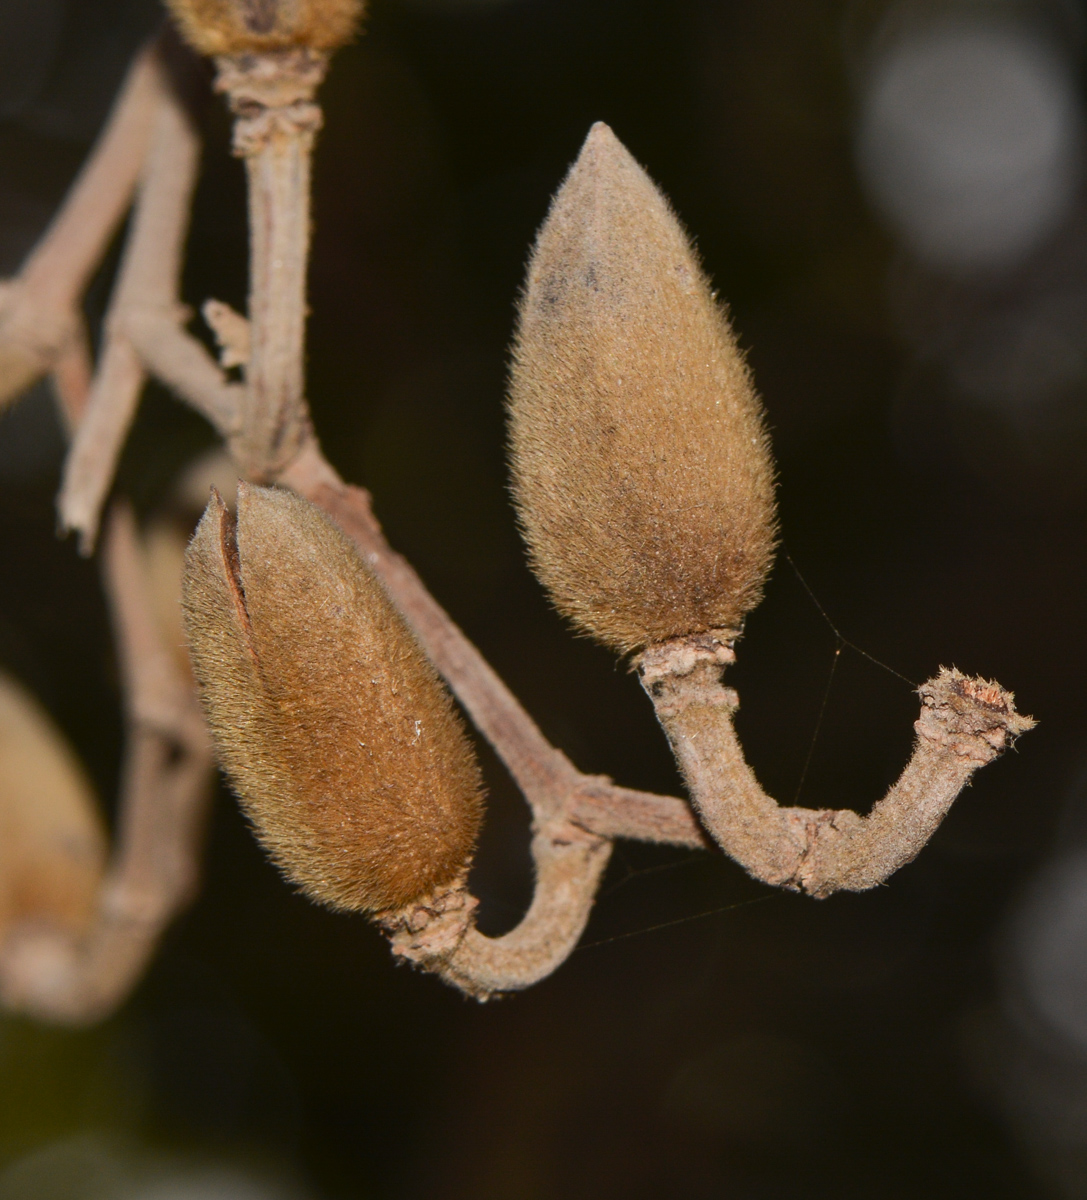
(212, 517)
(641, 466)
(602, 148)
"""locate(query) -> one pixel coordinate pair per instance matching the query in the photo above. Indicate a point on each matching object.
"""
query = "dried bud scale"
(641, 464)
(334, 729)
(258, 26)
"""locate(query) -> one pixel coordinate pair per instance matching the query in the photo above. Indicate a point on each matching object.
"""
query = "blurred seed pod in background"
(641, 465)
(337, 734)
(249, 26)
(52, 841)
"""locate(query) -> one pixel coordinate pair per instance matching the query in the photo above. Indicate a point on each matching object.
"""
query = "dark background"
(863, 1046)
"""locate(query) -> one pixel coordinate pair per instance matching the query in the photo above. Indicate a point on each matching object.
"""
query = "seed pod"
(641, 466)
(338, 736)
(254, 26)
(52, 844)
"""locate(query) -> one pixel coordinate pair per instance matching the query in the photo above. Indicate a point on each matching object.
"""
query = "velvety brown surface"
(52, 844)
(336, 733)
(641, 466)
(240, 26)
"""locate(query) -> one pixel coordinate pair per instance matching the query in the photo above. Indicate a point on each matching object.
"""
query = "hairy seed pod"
(641, 466)
(52, 844)
(255, 26)
(337, 734)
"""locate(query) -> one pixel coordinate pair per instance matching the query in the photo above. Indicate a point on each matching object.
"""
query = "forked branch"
(143, 323)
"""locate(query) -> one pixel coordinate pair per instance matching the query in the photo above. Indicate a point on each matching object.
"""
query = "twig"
(272, 95)
(71, 378)
(439, 934)
(145, 292)
(39, 309)
(164, 790)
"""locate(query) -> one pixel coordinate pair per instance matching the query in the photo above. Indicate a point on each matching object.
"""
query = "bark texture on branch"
(439, 934)
(272, 97)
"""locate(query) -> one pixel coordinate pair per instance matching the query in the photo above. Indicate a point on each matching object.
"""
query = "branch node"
(271, 95)
(428, 931)
(681, 655)
(687, 670)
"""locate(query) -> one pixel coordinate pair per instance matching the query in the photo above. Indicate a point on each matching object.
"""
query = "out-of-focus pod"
(52, 843)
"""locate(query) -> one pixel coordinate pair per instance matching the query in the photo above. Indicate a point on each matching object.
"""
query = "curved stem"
(439, 934)
(964, 724)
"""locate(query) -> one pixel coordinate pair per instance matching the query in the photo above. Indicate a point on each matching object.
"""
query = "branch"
(439, 934)
(272, 95)
(39, 309)
(964, 724)
(146, 290)
(71, 378)
(165, 786)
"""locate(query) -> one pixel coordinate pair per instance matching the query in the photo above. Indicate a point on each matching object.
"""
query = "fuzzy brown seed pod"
(641, 465)
(335, 730)
(255, 26)
(52, 843)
